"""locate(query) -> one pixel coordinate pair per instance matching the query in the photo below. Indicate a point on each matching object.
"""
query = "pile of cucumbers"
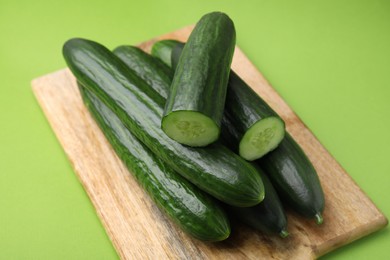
(197, 138)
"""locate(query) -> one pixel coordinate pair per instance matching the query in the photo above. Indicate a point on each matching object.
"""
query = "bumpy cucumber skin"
(176, 52)
(215, 170)
(268, 216)
(200, 80)
(191, 209)
(295, 178)
(291, 172)
(163, 73)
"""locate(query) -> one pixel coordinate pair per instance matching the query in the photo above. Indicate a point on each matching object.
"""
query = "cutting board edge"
(320, 250)
(380, 223)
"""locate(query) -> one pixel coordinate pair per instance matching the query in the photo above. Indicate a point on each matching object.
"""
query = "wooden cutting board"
(137, 227)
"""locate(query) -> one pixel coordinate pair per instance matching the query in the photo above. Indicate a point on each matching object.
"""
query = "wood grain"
(139, 230)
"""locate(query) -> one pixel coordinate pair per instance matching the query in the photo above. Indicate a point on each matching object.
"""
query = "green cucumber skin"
(200, 80)
(162, 49)
(215, 170)
(294, 177)
(176, 52)
(163, 73)
(268, 216)
(289, 169)
(191, 209)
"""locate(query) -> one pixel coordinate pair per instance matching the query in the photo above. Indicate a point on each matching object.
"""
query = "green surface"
(329, 60)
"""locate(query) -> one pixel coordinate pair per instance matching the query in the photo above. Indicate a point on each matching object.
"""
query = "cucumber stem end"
(284, 233)
(319, 219)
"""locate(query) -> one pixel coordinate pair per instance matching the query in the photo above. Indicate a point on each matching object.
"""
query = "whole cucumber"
(268, 216)
(191, 209)
(134, 57)
(163, 72)
(295, 178)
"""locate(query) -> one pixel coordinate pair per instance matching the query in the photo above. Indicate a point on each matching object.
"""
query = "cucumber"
(295, 178)
(258, 129)
(196, 100)
(268, 216)
(216, 170)
(162, 49)
(133, 56)
(289, 169)
(175, 53)
(147, 67)
(191, 209)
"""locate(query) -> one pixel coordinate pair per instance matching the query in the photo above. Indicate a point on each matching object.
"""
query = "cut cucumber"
(190, 128)
(262, 137)
(200, 81)
(256, 128)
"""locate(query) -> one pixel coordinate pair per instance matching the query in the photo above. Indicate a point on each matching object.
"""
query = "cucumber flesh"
(190, 128)
(262, 137)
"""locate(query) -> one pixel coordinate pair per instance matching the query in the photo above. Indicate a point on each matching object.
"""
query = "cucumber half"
(262, 137)
(200, 82)
(190, 128)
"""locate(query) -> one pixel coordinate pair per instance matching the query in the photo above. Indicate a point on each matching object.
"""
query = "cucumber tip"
(319, 219)
(284, 233)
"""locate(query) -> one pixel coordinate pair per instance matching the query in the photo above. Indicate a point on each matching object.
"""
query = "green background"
(329, 60)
